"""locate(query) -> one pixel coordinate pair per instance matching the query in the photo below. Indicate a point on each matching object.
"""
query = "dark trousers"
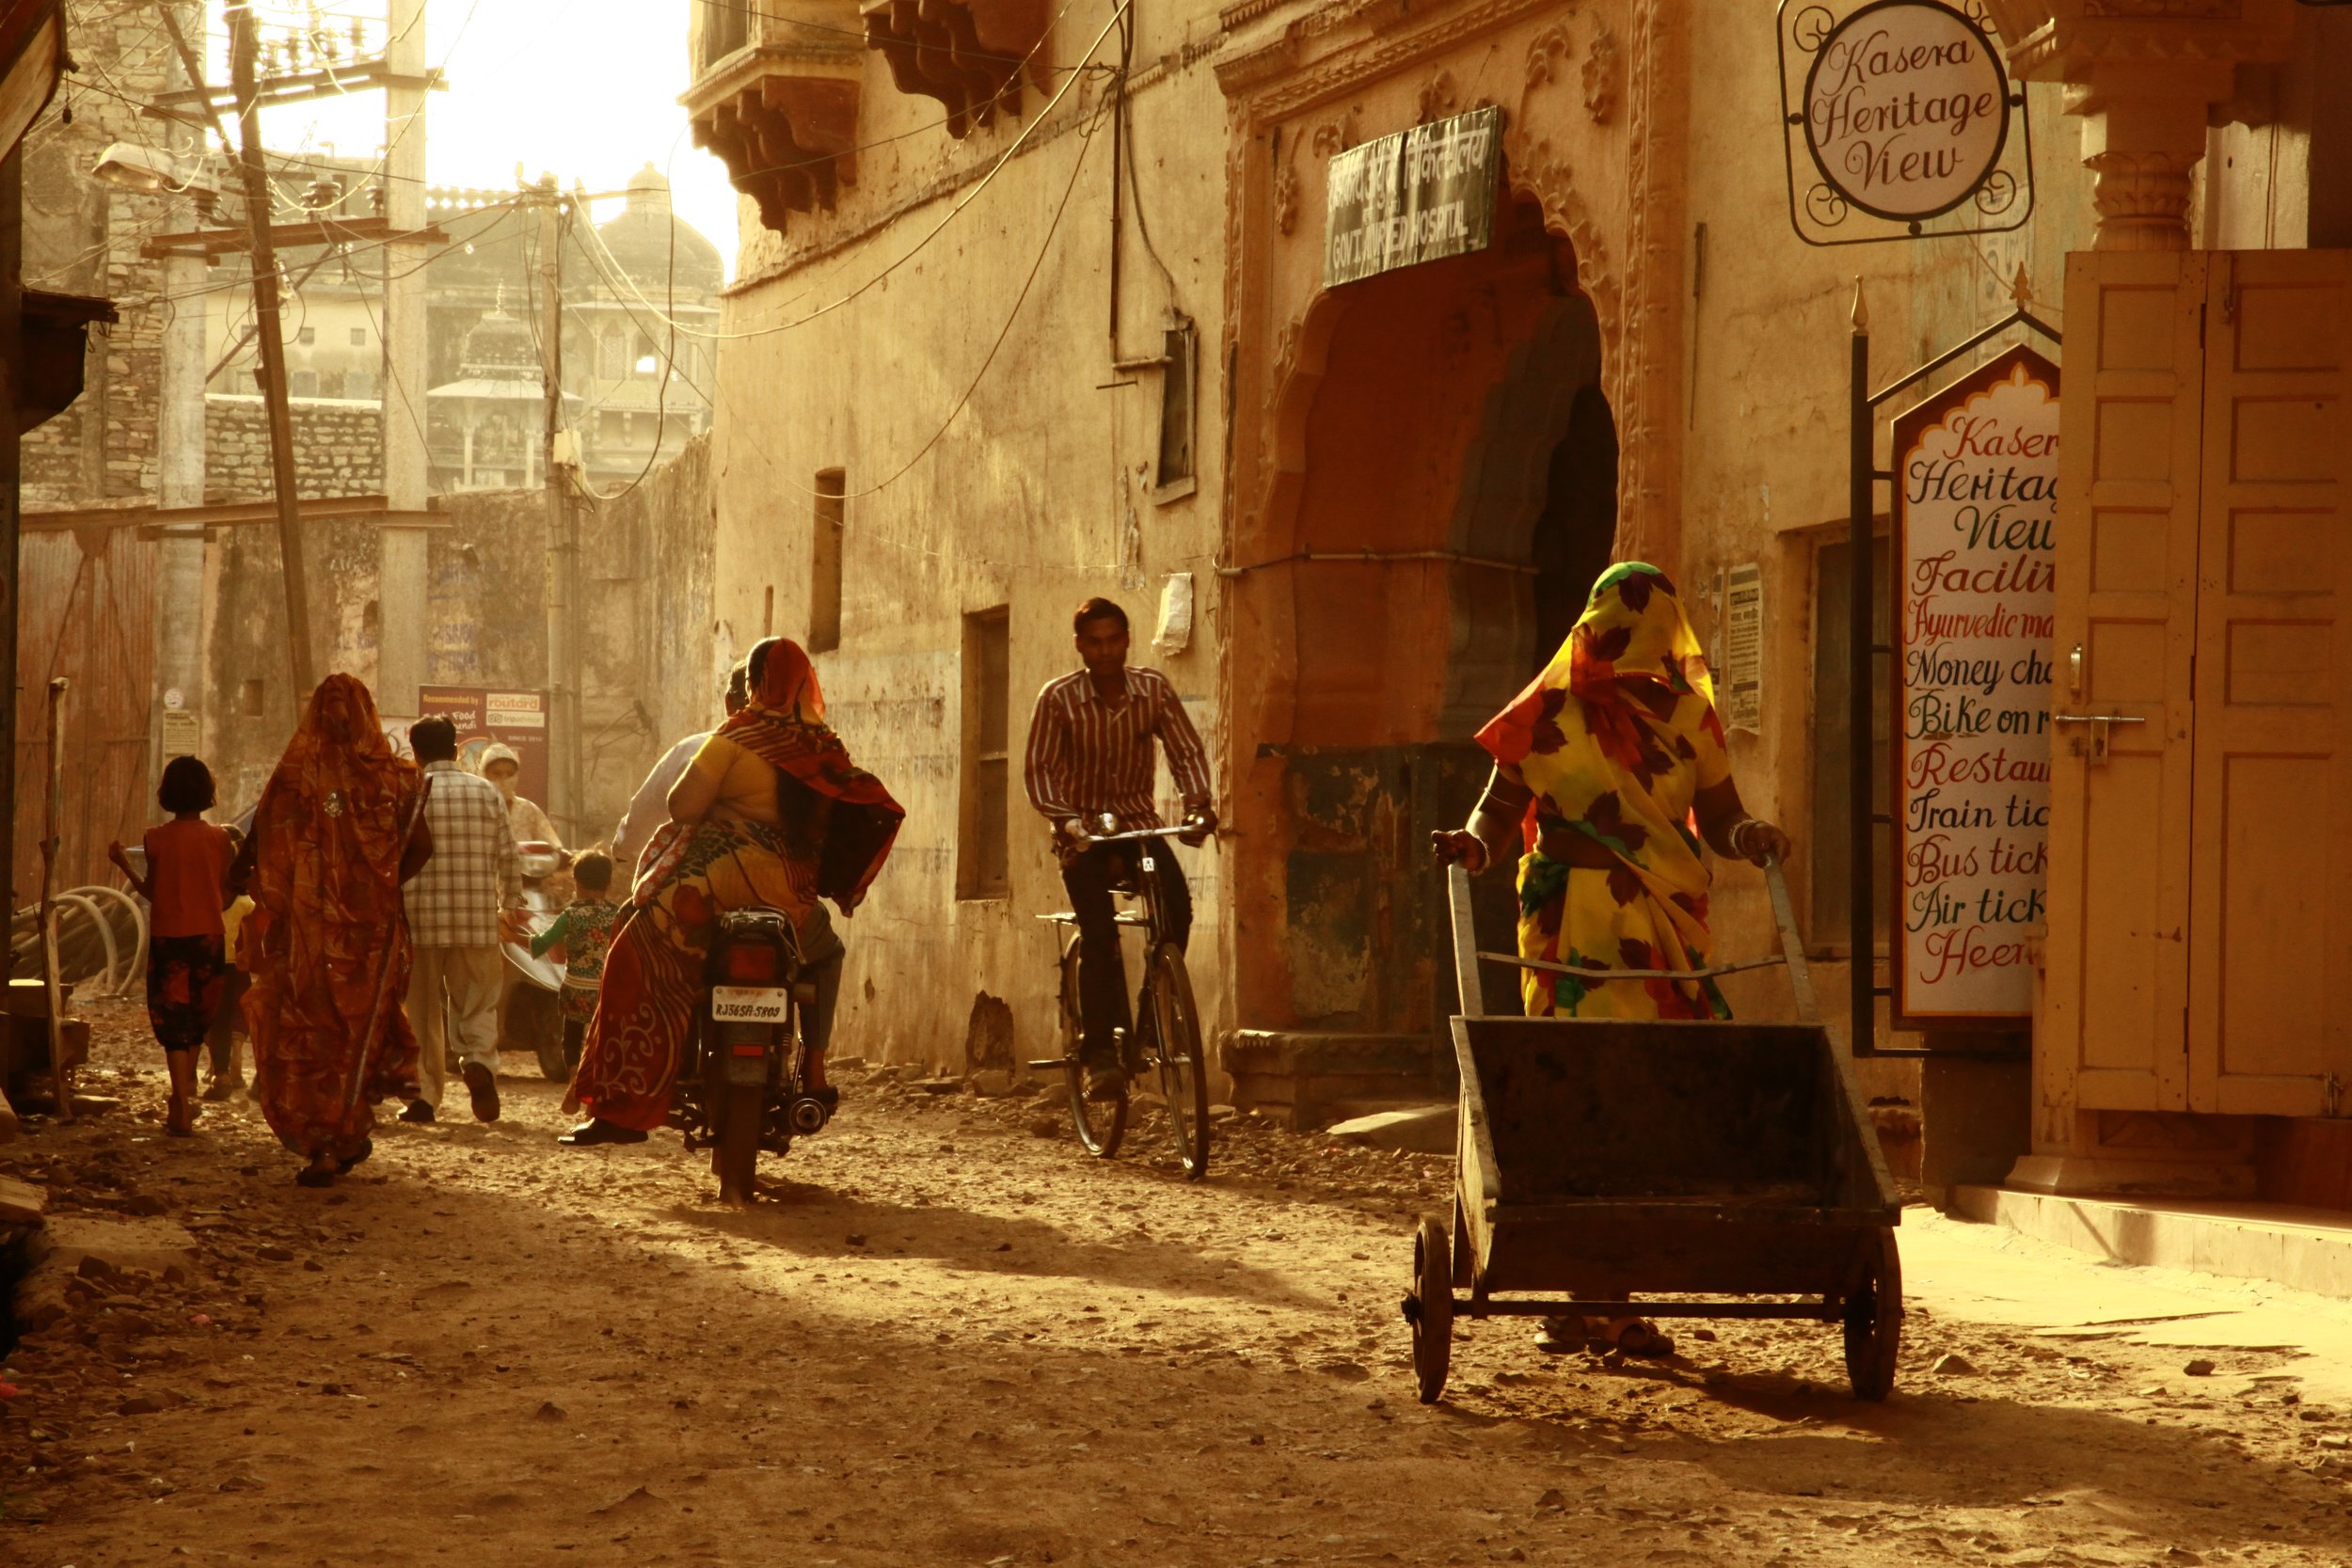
(1102, 970)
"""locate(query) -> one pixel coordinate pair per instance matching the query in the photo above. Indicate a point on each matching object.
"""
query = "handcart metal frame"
(1702, 1159)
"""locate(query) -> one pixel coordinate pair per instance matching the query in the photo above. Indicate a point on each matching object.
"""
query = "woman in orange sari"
(771, 812)
(340, 827)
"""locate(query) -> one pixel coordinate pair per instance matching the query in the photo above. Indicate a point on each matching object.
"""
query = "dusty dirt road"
(946, 1340)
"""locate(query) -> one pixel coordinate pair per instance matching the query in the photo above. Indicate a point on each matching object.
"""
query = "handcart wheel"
(1874, 1319)
(1430, 1308)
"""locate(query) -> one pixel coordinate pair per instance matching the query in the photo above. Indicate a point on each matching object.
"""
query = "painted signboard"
(1975, 471)
(515, 718)
(1898, 114)
(1418, 196)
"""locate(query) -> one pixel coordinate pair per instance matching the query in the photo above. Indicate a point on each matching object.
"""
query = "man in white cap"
(525, 818)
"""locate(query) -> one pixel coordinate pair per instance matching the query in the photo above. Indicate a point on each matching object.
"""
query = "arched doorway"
(1446, 433)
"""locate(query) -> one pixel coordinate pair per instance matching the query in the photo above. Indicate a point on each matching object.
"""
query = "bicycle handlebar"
(1134, 835)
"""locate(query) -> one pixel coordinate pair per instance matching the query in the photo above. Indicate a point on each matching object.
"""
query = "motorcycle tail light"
(751, 963)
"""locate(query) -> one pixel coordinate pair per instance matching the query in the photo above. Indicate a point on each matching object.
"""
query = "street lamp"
(131, 166)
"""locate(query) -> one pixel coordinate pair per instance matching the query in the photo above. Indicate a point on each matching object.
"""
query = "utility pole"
(562, 528)
(404, 615)
(244, 61)
(179, 440)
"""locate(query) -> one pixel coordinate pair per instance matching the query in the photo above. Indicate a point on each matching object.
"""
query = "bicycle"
(1167, 1038)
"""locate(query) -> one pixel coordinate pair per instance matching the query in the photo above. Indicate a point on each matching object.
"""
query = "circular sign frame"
(2002, 101)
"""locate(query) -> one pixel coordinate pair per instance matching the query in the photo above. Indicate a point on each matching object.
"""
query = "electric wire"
(954, 210)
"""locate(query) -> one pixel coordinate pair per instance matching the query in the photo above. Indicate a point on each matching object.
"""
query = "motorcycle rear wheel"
(734, 1156)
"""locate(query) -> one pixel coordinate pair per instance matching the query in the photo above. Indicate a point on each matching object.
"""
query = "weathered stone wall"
(646, 580)
(82, 237)
(338, 447)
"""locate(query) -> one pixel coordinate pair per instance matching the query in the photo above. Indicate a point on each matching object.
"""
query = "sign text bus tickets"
(1976, 469)
(1419, 195)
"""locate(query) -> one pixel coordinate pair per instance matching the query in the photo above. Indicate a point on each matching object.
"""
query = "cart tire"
(1099, 1123)
(1874, 1319)
(1430, 1308)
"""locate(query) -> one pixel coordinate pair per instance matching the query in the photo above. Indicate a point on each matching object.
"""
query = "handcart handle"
(1791, 945)
(1465, 954)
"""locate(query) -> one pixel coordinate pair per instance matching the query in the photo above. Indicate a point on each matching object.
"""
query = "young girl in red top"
(186, 886)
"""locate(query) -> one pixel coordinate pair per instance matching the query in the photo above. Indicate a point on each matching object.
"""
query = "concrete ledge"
(2307, 1249)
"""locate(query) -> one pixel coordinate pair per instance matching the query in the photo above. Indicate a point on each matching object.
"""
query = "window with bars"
(983, 860)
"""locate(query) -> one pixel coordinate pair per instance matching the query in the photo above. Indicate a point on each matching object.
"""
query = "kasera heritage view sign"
(1904, 110)
(1975, 479)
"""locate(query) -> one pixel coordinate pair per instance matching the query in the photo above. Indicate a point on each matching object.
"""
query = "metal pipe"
(1375, 558)
(49, 846)
(1861, 595)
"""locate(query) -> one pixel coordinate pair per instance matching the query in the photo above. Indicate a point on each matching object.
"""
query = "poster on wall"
(1975, 471)
(483, 718)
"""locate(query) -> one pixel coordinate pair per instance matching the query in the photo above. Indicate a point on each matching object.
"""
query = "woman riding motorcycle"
(771, 812)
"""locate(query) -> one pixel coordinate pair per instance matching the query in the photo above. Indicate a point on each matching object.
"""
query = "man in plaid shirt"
(459, 907)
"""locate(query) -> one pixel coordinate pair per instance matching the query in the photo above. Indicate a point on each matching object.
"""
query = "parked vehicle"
(744, 1084)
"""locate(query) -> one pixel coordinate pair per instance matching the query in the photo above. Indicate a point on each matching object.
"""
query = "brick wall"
(338, 447)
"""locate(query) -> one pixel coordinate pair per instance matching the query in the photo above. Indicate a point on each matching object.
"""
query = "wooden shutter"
(2112, 1029)
(2270, 941)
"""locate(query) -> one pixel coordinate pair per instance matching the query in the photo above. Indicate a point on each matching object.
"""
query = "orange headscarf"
(783, 726)
(328, 832)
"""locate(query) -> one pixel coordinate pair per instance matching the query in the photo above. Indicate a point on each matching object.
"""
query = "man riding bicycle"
(1090, 754)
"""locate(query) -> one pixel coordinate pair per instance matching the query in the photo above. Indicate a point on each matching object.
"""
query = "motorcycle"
(744, 1084)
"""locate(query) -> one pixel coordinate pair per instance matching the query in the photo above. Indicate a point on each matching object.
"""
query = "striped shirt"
(454, 901)
(1086, 757)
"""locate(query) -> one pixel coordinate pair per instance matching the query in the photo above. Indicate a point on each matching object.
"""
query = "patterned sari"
(1615, 737)
(328, 928)
(653, 971)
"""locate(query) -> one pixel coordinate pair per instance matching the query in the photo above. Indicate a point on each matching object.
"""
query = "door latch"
(2099, 724)
(2074, 671)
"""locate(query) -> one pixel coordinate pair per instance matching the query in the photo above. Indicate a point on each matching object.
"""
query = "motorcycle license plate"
(750, 1004)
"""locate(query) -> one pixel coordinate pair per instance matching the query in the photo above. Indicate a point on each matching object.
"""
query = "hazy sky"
(586, 88)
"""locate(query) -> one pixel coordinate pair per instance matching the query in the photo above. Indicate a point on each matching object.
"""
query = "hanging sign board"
(1899, 115)
(515, 718)
(1419, 195)
(1975, 479)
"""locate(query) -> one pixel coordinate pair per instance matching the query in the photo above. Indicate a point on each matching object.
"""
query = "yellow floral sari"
(1615, 737)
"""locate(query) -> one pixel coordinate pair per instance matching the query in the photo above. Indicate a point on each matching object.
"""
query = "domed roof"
(500, 348)
(639, 239)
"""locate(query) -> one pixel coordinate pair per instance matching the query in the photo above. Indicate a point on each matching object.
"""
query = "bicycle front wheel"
(1099, 1123)
(1183, 1076)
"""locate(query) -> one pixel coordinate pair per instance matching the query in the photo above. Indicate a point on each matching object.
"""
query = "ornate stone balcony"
(970, 55)
(776, 102)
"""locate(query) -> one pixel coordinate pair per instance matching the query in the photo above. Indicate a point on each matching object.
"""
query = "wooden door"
(2112, 1027)
(2270, 930)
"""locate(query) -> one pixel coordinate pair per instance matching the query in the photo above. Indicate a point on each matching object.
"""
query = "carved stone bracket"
(782, 117)
(969, 55)
(1604, 77)
(2144, 77)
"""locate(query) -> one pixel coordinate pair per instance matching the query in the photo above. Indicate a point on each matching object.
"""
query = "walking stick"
(384, 967)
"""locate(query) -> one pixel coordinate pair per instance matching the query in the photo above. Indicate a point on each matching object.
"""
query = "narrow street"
(946, 1338)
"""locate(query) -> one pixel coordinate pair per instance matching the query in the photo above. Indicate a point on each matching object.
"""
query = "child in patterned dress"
(584, 930)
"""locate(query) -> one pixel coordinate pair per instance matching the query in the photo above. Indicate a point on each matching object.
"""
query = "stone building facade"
(1042, 376)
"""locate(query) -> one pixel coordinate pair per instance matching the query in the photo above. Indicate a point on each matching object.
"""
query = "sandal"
(319, 1173)
(366, 1147)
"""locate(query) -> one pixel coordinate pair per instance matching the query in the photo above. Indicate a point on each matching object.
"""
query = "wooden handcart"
(1731, 1165)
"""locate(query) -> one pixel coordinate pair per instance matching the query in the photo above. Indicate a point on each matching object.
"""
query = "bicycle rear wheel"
(1100, 1123)
(1183, 1076)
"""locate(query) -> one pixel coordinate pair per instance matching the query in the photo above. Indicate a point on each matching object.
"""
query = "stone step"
(2307, 1249)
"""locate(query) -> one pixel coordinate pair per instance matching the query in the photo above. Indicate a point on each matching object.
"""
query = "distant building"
(624, 282)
